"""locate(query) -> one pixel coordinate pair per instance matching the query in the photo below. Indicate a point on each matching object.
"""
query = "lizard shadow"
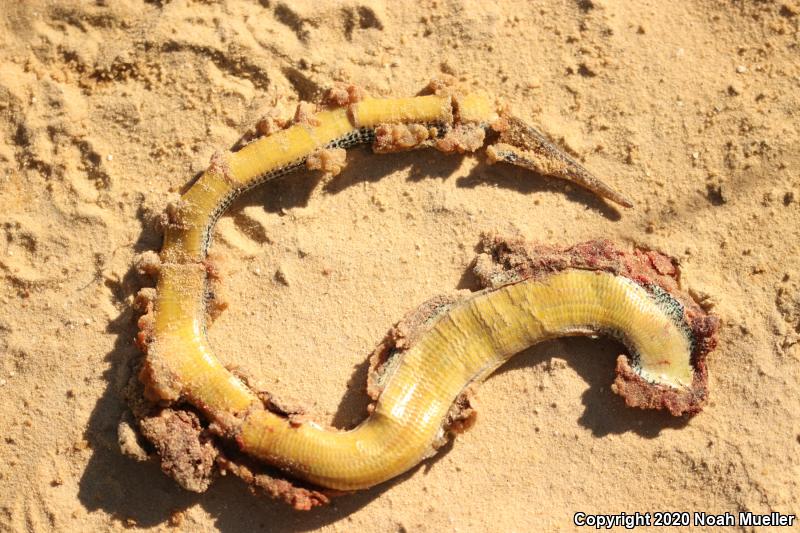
(594, 360)
(529, 182)
(430, 164)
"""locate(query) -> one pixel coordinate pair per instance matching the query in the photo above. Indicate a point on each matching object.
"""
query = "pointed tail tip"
(593, 184)
(624, 201)
(613, 196)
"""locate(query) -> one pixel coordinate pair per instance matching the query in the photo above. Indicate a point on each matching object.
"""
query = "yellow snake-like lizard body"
(460, 344)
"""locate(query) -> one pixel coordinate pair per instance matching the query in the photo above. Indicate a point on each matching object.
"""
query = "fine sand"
(107, 108)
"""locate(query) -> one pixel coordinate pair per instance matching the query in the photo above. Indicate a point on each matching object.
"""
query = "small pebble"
(282, 276)
(741, 69)
(735, 89)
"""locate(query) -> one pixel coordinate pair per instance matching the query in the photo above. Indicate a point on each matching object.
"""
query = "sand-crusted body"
(416, 381)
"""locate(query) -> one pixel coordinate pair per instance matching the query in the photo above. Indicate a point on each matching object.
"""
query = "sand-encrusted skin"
(484, 329)
(286, 491)
(187, 455)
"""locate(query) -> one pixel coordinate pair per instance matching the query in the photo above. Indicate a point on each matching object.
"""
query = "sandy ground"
(689, 107)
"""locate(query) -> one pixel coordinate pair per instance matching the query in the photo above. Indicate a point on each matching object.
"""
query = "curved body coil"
(598, 289)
